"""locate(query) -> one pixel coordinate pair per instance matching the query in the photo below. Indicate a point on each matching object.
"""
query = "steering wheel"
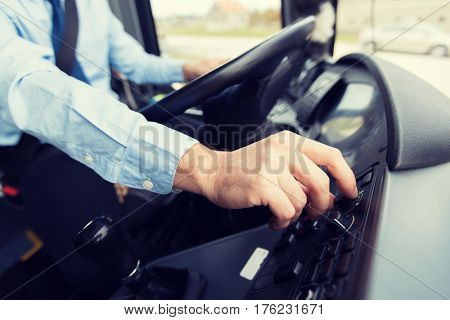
(256, 63)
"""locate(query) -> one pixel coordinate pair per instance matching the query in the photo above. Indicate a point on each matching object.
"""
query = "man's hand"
(121, 192)
(193, 71)
(281, 172)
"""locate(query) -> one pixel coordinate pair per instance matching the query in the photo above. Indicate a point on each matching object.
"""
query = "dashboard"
(356, 106)
(310, 259)
(393, 237)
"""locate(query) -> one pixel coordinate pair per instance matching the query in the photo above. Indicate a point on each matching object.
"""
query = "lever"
(102, 242)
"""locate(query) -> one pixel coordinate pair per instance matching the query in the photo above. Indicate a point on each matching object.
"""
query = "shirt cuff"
(153, 156)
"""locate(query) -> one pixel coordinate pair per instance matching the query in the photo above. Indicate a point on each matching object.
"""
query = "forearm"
(98, 131)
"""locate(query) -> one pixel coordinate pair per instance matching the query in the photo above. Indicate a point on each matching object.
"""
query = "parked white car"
(422, 38)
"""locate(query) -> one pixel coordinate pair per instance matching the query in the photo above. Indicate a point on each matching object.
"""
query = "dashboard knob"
(340, 222)
(346, 204)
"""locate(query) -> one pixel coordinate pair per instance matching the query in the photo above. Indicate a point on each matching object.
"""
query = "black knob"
(340, 222)
(102, 242)
(346, 204)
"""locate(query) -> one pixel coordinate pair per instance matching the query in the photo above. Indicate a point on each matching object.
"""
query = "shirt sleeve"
(84, 122)
(127, 56)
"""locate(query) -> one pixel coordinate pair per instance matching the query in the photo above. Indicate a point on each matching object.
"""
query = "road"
(435, 71)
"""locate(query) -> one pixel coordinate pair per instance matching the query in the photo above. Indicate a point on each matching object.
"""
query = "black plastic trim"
(418, 115)
(148, 27)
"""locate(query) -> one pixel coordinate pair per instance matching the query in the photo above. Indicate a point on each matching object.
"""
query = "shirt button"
(88, 159)
(148, 185)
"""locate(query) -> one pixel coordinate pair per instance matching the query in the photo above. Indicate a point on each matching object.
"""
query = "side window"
(200, 29)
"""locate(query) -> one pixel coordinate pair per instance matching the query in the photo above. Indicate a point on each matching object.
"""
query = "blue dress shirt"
(85, 121)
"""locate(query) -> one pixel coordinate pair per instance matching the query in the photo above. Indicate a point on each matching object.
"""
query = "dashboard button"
(330, 291)
(333, 290)
(312, 226)
(343, 264)
(346, 204)
(349, 242)
(284, 243)
(333, 248)
(310, 293)
(312, 273)
(287, 272)
(326, 270)
(366, 179)
(320, 253)
(292, 229)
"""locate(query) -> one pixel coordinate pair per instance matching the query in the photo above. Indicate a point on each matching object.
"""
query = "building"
(227, 15)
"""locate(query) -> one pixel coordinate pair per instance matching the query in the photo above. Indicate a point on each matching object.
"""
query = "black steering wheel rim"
(251, 64)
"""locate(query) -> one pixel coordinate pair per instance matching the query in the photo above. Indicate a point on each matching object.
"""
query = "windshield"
(412, 34)
(195, 30)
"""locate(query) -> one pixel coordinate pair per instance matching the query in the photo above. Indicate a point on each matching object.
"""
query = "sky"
(165, 8)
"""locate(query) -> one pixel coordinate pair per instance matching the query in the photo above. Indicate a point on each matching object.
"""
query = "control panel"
(314, 259)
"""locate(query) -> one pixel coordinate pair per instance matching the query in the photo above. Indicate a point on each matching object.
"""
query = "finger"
(331, 204)
(317, 182)
(333, 160)
(305, 189)
(297, 216)
(125, 190)
(120, 198)
(293, 189)
(314, 213)
(276, 225)
(281, 207)
(121, 192)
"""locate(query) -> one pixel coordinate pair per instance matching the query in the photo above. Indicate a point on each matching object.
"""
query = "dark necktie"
(64, 38)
